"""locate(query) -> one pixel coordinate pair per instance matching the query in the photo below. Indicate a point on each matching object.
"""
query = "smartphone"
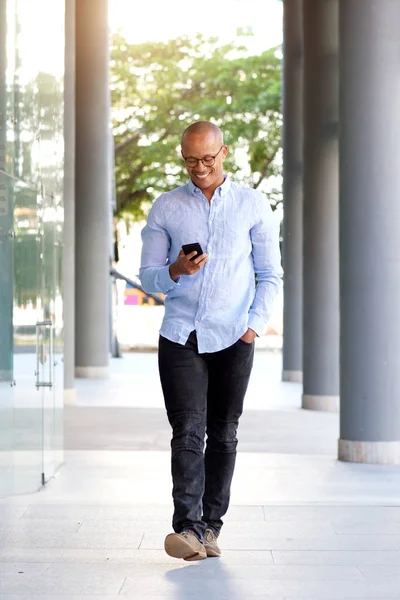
(188, 248)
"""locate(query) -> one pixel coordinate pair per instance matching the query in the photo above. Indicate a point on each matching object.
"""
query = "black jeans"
(203, 393)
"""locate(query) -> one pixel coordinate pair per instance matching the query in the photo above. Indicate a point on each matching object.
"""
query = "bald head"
(203, 128)
(203, 151)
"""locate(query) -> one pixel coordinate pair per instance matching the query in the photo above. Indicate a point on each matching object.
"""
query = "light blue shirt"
(238, 231)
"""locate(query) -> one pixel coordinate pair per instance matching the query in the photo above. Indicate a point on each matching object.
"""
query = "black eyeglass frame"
(208, 157)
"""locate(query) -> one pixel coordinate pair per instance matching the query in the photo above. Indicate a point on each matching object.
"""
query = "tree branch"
(133, 175)
(127, 197)
(119, 147)
(264, 170)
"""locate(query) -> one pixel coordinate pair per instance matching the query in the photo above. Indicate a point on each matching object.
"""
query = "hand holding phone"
(185, 266)
(189, 248)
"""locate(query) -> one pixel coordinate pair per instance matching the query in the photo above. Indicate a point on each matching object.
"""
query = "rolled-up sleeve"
(267, 266)
(154, 268)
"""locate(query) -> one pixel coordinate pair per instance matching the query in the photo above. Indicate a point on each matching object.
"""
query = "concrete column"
(92, 187)
(320, 215)
(69, 205)
(292, 141)
(370, 231)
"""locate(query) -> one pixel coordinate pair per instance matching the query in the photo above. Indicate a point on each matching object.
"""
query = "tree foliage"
(158, 89)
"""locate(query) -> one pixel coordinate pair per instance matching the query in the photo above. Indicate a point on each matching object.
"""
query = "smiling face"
(200, 145)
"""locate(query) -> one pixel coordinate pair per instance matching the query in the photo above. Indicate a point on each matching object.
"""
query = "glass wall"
(31, 220)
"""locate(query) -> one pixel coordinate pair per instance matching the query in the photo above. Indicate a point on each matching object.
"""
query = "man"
(213, 312)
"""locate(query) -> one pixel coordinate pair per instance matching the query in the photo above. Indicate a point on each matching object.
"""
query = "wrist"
(173, 272)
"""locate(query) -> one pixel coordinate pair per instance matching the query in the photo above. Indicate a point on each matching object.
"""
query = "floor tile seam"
(361, 534)
(131, 565)
(323, 504)
(226, 550)
(300, 564)
(79, 548)
(126, 565)
(336, 550)
(264, 513)
(47, 569)
(358, 534)
(141, 541)
(323, 566)
(122, 586)
(265, 507)
(363, 574)
(80, 525)
(24, 512)
(273, 553)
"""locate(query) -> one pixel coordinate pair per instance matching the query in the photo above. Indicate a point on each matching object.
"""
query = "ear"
(225, 151)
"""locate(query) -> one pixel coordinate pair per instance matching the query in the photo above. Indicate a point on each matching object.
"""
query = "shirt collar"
(222, 189)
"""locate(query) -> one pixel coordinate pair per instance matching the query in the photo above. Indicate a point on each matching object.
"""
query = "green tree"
(158, 89)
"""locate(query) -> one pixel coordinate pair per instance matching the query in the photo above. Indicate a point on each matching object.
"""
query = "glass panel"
(58, 439)
(31, 216)
(51, 348)
(35, 66)
(38, 396)
(6, 345)
(49, 100)
(6, 280)
(6, 441)
(28, 430)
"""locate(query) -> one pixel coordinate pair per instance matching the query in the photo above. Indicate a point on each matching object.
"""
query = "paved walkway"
(302, 526)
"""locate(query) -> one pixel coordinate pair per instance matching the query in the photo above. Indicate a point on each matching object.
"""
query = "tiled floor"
(302, 526)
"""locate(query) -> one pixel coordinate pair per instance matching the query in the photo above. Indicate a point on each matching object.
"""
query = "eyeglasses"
(208, 161)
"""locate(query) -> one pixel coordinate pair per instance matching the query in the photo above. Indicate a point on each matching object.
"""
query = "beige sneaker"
(184, 545)
(210, 544)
